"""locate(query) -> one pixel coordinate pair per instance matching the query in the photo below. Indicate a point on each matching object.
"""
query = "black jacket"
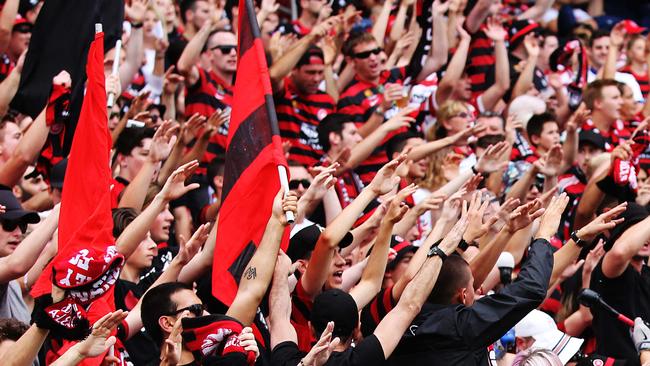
(459, 335)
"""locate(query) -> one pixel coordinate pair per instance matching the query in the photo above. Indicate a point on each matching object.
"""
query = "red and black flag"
(253, 153)
(60, 40)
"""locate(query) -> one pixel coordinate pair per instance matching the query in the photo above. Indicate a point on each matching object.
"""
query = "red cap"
(632, 28)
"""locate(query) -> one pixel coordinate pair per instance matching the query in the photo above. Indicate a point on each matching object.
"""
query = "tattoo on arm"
(251, 273)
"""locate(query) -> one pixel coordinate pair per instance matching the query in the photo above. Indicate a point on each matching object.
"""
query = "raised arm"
(455, 67)
(379, 29)
(390, 330)
(616, 40)
(257, 276)
(7, 19)
(536, 11)
(494, 93)
(161, 145)
(478, 14)
(373, 274)
(137, 230)
(280, 304)
(186, 64)
(525, 81)
(25, 255)
(319, 263)
(439, 48)
(134, 54)
(26, 152)
(625, 248)
(283, 66)
(9, 85)
(570, 146)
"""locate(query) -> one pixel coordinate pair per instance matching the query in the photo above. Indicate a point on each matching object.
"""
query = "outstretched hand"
(175, 185)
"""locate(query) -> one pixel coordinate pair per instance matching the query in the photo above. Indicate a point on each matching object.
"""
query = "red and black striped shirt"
(298, 118)
(480, 62)
(374, 312)
(642, 79)
(617, 133)
(358, 101)
(207, 95)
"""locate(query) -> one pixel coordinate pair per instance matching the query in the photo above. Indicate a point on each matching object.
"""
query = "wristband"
(463, 245)
(579, 242)
(136, 25)
(435, 250)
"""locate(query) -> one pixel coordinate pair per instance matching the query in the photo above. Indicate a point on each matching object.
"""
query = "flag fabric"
(253, 152)
(85, 217)
(60, 39)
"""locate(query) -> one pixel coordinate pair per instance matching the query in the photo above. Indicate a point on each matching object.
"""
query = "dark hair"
(11, 329)
(122, 217)
(396, 143)
(454, 275)
(156, 303)
(594, 91)
(348, 46)
(493, 114)
(536, 123)
(216, 167)
(331, 123)
(212, 33)
(186, 5)
(131, 138)
(600, 33)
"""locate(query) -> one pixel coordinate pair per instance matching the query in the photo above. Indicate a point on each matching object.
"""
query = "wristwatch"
(435, 250)
(579, 242)
(379, 111)
(136, 25)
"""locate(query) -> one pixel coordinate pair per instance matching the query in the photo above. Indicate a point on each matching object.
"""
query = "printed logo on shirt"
(322, 113)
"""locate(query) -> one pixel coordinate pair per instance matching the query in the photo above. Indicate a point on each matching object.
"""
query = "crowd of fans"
(459, 172)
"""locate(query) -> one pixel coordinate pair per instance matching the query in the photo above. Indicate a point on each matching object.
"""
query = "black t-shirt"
(367, 352)
(142, 349)
(628, 293)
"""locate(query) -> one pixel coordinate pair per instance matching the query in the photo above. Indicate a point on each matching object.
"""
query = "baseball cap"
(632, 28)
(519, 29)
(592, 138)
(304, 241)
(337, 306)
(14, 211)
(22, 25)
(313, 55)
(58, 174)
(402, 248)
(541, 327)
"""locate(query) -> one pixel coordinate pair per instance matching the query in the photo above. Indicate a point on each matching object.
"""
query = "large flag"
(85, 219)
(60, 39)
(253, 152)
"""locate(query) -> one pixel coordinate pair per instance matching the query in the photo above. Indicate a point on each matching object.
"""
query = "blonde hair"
(447, 111)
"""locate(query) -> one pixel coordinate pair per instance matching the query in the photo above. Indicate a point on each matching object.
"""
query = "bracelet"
(579, 242)
(136, 25)
(435, 250)
(379, 111)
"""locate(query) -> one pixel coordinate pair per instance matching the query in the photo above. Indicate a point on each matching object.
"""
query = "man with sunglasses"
(18, 255)
(209, 63)
(21, 33)
(300, 104)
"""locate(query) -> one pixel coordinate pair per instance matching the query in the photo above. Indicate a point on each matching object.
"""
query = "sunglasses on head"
(9, 226)
(196, 309)
(225, 49)
(295, 183)
(366, 54)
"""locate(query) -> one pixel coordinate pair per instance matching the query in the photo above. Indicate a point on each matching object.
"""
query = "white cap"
(541, 327)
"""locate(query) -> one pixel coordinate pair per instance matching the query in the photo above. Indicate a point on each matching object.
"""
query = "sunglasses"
(295, 183)
(225, 49)
(366, 54)
(196, 309)
(9, 226)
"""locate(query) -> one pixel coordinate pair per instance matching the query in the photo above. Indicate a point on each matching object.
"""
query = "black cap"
(402, 248)
(14, 211)
(519, 29)
(633, 214)
(337, 306)
(592, 138)
(58, 174)
(304, 241)
(310, 56)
